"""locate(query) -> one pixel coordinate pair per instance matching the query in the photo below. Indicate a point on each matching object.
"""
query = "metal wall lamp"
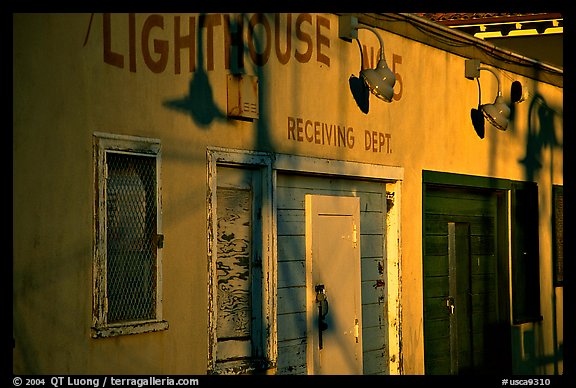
(497, 113)
(380, 80)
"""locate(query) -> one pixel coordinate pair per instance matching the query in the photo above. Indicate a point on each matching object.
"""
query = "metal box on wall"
(242, 96)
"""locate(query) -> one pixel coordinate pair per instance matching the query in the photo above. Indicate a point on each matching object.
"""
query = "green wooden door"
(462, 333)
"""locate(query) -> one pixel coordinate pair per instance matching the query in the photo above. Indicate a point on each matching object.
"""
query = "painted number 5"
(397, 59)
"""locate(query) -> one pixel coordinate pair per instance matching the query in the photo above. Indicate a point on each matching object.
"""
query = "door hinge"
(159, 241)
(389, 200)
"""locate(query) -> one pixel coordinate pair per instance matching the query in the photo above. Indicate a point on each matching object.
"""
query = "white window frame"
(104, 143)
(228, 157)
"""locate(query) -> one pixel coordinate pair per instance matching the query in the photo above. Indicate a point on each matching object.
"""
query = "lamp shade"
(497, 113)
(380, 80)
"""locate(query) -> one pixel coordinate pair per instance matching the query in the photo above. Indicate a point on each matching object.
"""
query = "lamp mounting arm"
(472, 70)
(495, 75)
(373, 30)
(348, 27)
(498, 112)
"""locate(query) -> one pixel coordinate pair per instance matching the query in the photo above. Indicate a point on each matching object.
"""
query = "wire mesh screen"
(131, 236)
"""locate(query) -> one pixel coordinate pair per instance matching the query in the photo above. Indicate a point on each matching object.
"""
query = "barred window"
(127, 265)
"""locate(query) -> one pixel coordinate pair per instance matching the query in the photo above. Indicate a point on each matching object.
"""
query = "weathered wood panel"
(372, 268)
(373, 315)
(371, 245)
(454, 206)
(291, 222)
(292, 357)
(233, 265)
(476, 210)
(376, 362)
(437, 224)
(291, 191)
(372, 292)
(372, 338)
(436, 286)
(437, 328)
(291, 274)
(372, 222)
(291, 248)
(291, 326)
(436, 265)
(291, 300)
(435, 307)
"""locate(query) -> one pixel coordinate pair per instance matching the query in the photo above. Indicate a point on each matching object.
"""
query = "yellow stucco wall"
(64, 91)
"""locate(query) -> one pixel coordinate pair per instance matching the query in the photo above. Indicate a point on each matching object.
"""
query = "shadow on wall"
(199, 102)
(530, 362)
(360, 93)
(359, 90)
(541, 134)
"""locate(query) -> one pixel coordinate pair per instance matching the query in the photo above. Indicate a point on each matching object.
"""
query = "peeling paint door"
(238, 266)
(334, 312)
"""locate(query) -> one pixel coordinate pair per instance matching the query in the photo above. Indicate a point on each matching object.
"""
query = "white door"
(334, 310)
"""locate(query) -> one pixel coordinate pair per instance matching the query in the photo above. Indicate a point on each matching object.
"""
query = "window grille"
(127, 259)
(131, 231)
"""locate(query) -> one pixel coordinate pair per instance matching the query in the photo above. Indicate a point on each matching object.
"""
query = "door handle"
(322, 301)
(450, 304)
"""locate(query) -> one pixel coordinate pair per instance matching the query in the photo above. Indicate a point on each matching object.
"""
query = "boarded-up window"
(233, 269)
(241, 258)
(238, 266)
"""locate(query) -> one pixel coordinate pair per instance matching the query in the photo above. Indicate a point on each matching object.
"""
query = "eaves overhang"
(456, 42)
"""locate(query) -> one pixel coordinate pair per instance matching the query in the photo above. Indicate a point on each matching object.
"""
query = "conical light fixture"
(497, 113)
(380, 80)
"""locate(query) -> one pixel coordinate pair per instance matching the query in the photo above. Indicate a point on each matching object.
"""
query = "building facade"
(222, 193)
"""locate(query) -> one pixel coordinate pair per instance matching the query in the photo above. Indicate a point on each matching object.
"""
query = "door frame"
(502, 189)
(263, 163)
(270, 164)
(392, 177)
